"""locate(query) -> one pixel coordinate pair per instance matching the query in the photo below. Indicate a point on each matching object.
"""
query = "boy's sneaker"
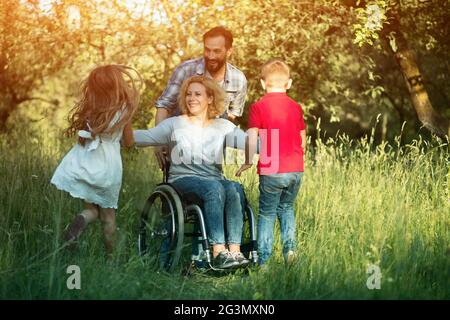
(290, 257)
(224, 260)
(263, 268)
(241, 259)
(75, 229)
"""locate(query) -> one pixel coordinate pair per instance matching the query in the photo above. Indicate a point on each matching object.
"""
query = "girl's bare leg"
(90, 212)
(108, 219)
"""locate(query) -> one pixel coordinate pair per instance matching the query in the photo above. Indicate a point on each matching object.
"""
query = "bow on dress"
(95, 142)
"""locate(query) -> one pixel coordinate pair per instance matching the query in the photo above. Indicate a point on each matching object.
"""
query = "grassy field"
(359, 205)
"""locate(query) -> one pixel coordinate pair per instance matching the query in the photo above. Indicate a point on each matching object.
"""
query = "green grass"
(359, 205)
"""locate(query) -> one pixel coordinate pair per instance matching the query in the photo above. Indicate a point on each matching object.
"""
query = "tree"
(27, 41)
(390, 26)
(38, 44)
(343, 85)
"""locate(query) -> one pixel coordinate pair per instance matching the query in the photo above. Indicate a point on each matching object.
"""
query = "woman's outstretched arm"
(236, 139)
(157, 136)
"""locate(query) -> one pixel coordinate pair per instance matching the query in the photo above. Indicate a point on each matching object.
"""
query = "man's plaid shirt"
(234, 84)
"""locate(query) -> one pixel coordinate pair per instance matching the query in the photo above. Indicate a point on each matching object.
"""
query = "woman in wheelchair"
(196, 143)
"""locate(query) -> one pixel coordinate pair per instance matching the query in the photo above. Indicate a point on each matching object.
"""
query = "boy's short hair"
(220, 31)
(276, 68)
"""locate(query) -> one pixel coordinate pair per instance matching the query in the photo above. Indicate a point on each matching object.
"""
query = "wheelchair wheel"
(162, 228)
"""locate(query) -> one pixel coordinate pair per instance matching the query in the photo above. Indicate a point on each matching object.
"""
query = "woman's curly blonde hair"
(216, 108)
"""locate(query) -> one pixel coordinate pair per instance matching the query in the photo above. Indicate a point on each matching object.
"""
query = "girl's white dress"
(93, 172)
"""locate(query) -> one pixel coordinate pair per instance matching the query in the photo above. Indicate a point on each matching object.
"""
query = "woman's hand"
(243, 168)
(251, 143)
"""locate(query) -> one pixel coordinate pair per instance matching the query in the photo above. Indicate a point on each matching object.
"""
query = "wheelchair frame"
(175, 212)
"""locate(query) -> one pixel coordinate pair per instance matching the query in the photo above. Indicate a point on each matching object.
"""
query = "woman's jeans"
(276, 199)
(223, 204)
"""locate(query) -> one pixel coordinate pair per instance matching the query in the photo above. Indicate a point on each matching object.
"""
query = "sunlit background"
(340, 52)
(375, 189)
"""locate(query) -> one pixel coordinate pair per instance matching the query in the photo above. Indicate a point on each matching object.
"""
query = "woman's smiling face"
(197, 99)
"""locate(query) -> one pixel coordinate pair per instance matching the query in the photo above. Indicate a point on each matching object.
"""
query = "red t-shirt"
(279, 120)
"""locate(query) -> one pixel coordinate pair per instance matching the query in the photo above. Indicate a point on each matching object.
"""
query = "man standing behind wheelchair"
(196, 140)
(217, 49)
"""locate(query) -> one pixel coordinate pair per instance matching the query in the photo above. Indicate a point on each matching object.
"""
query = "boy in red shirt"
(278, 120)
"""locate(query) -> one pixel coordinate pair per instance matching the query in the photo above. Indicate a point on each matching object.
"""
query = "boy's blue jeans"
(276, 199)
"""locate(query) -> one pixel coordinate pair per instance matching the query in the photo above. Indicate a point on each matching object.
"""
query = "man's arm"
(161, 114)
(168, 101)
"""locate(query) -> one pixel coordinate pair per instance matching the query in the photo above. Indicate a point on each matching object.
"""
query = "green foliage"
(360, 204)
(363, 201)
(370, 22)
(45, 53)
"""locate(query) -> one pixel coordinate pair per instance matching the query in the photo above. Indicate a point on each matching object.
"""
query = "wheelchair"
(168, 218)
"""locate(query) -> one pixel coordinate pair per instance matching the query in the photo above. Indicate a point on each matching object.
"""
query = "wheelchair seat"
(191, 198)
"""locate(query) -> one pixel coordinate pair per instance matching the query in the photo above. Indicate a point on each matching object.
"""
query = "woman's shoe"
(225, 260)
(241, 259)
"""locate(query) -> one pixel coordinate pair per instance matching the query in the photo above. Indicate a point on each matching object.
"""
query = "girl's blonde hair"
(216, 108)
(107, 90)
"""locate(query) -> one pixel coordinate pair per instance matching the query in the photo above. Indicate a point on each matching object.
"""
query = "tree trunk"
(413, 78)
(5, 112)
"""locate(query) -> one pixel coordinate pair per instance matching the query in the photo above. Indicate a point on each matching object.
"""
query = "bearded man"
(217, 49)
